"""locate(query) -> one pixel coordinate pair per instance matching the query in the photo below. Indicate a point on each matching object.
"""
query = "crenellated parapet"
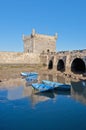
(38, 43)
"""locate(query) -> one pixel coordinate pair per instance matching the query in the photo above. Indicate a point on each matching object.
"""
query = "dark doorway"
(50, 65)
(78, 66)
(61, 66)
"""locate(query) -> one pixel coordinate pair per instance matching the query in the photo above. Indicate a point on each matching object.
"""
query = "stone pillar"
(67, 65)
(55, 63)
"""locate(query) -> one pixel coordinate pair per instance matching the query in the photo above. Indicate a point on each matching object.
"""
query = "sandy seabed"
(14, 71)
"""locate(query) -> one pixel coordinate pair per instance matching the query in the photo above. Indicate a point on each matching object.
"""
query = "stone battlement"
(38, 43)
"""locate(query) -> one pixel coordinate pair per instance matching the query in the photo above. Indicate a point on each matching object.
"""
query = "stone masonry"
(41, 49)
(19, 58)
(38, 43)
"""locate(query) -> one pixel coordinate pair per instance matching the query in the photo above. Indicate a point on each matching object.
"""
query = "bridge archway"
(78, 66)
(61, 65)
(50, 65)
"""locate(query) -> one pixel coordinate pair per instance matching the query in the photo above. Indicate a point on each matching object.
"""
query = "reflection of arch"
(48, 50)
(60, 65)
(50, 65)
(50, 77)
(28, 50)
(78, 66)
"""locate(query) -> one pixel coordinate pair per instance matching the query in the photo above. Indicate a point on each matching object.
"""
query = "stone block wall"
(38, 43)
(44, 43)
(19, 58)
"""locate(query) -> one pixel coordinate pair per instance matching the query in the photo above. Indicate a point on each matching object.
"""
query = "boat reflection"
(30, 82)
(62, 92)
(20, 93)
(53, 93)
(19, 89)
(38, 97)
(45, 94)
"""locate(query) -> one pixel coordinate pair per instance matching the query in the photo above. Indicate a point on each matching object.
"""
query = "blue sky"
(66, 17)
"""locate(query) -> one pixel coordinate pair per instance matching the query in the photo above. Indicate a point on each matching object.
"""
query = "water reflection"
(21, 106)
(3, 95)
(19, 88)
(30, 82)
(49, 95)
(15, 93)
(54, 78)
(78, 91)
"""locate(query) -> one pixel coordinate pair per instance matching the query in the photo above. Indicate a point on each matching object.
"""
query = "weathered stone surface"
(39, 43)
(17, 58)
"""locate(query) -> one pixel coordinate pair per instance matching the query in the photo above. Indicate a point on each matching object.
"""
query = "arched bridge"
(66, 61)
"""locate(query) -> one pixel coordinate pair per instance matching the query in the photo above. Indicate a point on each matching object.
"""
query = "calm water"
(23, 109)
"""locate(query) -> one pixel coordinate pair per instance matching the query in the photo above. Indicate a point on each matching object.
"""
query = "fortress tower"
(38, 43)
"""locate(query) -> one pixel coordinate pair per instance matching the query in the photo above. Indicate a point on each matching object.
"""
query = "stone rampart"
(19, 58)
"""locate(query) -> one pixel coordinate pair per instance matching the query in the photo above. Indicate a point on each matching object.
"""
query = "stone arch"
(50, 65)
(61, 65)
(78, 66)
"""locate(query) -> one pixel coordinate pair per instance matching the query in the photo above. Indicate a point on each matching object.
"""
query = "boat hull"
(26, 74)
(41, 87)
(57, 85)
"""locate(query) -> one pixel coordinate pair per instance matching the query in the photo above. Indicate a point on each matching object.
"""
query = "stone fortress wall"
(40, 49)
(38, 43)
(19, 58)
(34, 44)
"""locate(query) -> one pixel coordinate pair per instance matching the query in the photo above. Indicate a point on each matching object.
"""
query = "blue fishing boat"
(41, 87)
(58, 85)
(26, 74)
(31, 78)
